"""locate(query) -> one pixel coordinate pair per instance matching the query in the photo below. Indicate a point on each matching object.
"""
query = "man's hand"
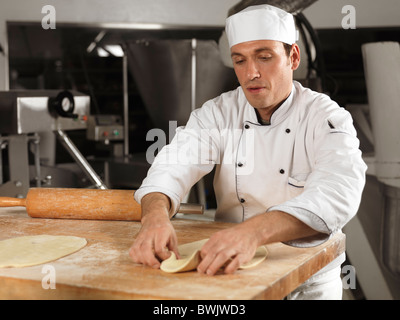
(237, 245)
(234, 247)
(157, 236)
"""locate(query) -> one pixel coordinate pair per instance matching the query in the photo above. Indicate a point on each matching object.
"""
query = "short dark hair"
(288, 48)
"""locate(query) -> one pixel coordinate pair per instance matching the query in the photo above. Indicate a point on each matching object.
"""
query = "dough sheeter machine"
(28, 120)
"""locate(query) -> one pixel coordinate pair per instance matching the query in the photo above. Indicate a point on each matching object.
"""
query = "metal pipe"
(6, 63)
(200, 184)
(79, 158)
(193, 95)
(128, 25)
(36, 151)
(126, 104)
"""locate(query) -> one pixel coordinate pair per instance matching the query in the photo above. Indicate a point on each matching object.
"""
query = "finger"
(141, 252)
(214, 259)
(207, 256)
(160, 248)
(162, 252)
(164, 244)
(148, 255)
(203, 265)
(219, 260)
(234, 264)
(208, 253)
(140, 257)
(135, 253)
(173, 246)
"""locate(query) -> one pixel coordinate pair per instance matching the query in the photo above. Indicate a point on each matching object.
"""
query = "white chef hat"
(261, 22)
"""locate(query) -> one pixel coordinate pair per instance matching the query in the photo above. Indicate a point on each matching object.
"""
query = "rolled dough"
(190, 258)
(33, 250)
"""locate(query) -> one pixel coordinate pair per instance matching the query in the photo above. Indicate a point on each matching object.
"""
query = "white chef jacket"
(307, 162)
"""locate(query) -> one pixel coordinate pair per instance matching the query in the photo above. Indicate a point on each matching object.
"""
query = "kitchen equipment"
(105, 128)
(27, 118)
(28, 111)
(382, 67)
(91, 204)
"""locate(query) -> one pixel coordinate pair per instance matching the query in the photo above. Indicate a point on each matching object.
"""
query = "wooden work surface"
(103, 269)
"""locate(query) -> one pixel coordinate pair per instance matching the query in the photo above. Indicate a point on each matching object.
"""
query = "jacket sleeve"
(333, 189)
(191, 154)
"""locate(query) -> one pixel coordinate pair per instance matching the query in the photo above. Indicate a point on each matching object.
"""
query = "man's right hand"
(157, 236)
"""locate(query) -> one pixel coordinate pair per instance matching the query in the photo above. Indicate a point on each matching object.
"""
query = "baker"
(287, 162)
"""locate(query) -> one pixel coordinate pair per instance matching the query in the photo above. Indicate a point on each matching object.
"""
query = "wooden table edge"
(306, 270)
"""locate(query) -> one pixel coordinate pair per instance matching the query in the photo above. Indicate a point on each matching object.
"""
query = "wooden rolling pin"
(93, 204)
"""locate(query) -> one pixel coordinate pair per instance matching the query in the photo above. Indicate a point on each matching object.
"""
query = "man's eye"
(264, 58)
(239, 61)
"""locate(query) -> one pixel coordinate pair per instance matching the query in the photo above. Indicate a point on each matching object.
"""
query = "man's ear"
(295, 56)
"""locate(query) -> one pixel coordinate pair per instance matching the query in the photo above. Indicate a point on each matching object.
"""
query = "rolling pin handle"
(12, 202)
(191, 208)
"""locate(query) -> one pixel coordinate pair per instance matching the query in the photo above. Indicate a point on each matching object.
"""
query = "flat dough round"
(190, 258)
(33, 250)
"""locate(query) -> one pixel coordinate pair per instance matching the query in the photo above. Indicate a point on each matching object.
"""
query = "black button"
(282, 171)
(288, 130)
(240, 164)
(246, 126)
(242, 200)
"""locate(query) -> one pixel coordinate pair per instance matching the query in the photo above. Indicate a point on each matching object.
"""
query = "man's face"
(264, 71)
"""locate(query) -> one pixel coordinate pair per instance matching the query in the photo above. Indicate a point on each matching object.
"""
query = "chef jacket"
(306, 162)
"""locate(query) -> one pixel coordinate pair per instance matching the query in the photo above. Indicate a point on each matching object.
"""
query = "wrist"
(155, 206)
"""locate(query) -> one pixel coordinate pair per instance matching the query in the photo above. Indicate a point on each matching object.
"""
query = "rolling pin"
(91, 204)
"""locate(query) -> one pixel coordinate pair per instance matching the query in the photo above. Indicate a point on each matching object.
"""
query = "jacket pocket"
(296, 183)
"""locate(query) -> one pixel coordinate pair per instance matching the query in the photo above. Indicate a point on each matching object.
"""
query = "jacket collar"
(278, 115)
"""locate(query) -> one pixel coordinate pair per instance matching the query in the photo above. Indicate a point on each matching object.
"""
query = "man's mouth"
(255, 89)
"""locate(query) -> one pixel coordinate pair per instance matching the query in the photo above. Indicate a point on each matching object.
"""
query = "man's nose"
(252, 70)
